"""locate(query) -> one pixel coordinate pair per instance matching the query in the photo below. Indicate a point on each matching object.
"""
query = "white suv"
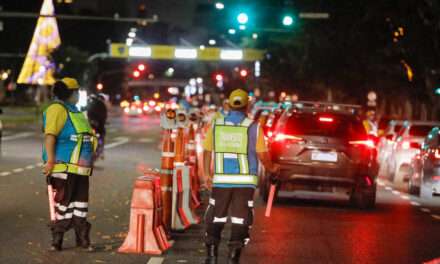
(405, 147)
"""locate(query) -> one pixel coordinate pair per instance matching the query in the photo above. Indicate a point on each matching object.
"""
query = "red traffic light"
(141, 67)
(219, 77)
(136, 74)
(243, 73)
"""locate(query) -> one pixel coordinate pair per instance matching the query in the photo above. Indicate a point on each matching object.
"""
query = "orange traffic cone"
(145, 233)
(192, 161)
(166, 178)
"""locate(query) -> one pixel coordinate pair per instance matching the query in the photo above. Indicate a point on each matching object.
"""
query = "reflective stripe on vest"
(71, 168)
(231, 142)
(235, 179)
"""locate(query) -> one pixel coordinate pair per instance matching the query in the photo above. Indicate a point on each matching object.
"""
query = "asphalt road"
(402, 229)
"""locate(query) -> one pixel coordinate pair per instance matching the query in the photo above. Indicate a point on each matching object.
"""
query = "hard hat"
(238, 98)
(71, 83)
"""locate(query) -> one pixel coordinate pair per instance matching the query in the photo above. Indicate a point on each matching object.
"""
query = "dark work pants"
(239, 202)
(71, 202)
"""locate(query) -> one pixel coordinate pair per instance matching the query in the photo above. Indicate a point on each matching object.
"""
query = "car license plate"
(324, 156)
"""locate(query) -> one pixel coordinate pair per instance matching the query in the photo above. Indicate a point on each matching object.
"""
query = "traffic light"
(243, 73)
(141, 67)
(99, 86)
(287, 20)
(219, 77)
(437, 91)
(136, 74)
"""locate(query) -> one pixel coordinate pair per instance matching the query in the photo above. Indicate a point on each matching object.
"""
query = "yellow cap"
(239, 98)
(71, 83)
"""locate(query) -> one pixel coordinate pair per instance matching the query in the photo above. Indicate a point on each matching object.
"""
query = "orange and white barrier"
(192, 161)
(146, 234)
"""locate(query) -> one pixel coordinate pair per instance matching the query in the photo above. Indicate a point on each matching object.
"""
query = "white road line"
(17, 136)
(30, 167)
(396, 192)
(39, 164)
(436, 216)
(425, 210)
(155, 260)
(6, 173)
(120, 141)
(404, 197)
(18, 170)
(415, 203)
(146, 140)
(388, 188)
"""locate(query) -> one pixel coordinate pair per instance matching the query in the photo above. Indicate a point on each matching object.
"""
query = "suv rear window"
(420, 130)
(346, 127)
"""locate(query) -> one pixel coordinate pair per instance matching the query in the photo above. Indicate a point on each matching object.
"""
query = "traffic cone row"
(146, 234)
(192, 161)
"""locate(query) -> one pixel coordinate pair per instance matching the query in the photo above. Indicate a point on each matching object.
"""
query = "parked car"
(425, 167)
(323, 151)
(406, 146)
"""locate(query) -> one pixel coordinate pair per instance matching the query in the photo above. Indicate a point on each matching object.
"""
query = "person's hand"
(48, 167)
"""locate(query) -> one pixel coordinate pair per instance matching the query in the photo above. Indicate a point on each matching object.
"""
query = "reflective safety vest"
(75, 144)
(231, 166)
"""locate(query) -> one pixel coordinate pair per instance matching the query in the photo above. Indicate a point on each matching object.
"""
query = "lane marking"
(119, 141)
(6, 173)
(415, 203)
(404, 197)
(437, 217)
(388, 188)
(18, 170)
(396, 192)
(30, 167)
(146, 140)
(155, 260)
(425, 210)
(39, 164)
(18, 136)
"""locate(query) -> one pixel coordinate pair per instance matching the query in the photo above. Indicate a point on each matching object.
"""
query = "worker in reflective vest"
(68, 149)
(237, 143)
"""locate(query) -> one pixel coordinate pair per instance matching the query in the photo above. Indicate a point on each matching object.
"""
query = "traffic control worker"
(69, 145)
(236, 142)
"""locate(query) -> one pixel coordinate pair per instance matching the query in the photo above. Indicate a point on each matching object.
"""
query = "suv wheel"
(364, 198)
(414, 190)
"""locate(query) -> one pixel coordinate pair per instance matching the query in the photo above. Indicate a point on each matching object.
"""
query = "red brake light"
(282, 137)
(368, 143)
(326, 119)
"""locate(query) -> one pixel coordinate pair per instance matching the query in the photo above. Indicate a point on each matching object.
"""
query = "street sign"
(314, 15)
(168, 52)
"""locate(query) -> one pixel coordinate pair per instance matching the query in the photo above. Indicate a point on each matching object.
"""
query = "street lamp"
(219, 5)
(212, 42)
(437, 91)
(232, 31)
(242, 18)
(287, 20)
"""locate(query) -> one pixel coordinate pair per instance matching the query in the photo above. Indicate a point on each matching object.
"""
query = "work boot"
(83, 237)
(212, 253)
(57, 241)
(234, 255)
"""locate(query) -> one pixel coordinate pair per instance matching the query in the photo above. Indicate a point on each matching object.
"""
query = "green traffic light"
(242, 18)
(287, 20)
(437, 91)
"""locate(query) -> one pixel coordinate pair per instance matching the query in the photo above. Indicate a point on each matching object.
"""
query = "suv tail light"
(284, 137)
(408, 145)
(367, 143)
(326, 119)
